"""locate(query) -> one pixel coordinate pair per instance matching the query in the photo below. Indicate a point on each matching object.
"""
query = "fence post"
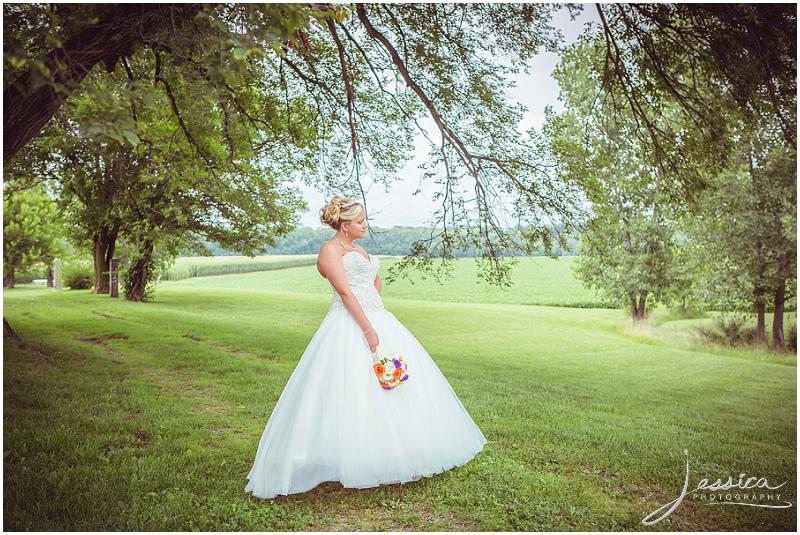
(113, 279)
(57, 274)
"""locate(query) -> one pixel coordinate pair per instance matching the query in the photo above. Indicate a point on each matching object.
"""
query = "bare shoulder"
(327, 247)
(326, 257)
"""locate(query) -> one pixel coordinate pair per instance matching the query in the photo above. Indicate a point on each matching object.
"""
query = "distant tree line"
(395, 241)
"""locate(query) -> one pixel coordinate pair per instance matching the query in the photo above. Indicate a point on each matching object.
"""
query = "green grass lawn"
(146, 416)
(536, 281)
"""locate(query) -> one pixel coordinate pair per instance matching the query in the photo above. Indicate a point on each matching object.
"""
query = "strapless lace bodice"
(361, 275)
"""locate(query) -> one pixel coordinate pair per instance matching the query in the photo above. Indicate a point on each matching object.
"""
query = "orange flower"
(398, 373)
(379, 369)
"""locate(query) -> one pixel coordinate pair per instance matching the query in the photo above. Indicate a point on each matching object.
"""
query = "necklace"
(351, 246)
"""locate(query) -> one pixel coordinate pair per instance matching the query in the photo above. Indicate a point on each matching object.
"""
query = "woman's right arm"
(330, 265)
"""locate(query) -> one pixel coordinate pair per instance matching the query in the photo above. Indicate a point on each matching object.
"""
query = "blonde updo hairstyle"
(338, 210)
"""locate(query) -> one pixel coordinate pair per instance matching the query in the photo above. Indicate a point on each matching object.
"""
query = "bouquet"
(391, 372)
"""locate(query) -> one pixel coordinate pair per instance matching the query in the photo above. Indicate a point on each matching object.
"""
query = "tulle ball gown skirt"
(333, 421)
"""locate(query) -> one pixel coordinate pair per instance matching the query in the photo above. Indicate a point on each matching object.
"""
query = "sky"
(398, 205)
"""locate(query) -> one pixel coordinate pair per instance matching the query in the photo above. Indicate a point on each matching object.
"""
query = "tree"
(30, 232)
(627, 248)
(121, 169)
(709, 58)
(744, 231)
(777, 168)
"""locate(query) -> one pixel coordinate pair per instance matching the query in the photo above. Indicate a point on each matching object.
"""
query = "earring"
(347, 234)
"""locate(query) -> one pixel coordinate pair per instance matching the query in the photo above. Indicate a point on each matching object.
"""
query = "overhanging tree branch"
(26, 110)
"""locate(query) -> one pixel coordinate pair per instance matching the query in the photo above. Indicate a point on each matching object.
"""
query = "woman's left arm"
(378, 285)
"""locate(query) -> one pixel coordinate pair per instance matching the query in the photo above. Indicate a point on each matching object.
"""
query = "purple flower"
(397, 364)
(405, 377)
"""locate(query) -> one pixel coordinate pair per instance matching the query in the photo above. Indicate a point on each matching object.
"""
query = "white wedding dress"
(334, 422)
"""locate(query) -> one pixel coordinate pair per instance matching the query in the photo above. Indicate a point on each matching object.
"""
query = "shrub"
(78, 275)
(731, 331)
(736, 330)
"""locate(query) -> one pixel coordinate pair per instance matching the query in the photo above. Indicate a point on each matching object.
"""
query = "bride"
(333, 420)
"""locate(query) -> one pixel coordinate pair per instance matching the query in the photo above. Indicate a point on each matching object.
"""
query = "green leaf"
(116, 137)
(239, 53)
(132, 138)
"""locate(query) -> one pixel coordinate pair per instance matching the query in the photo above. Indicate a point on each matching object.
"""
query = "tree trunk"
(777, 319)
(8, 279)
(8, 332)
(634, 311)
(104, 244)
(49, 276)
(26, 111)
(642, 305)
(140, 273)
